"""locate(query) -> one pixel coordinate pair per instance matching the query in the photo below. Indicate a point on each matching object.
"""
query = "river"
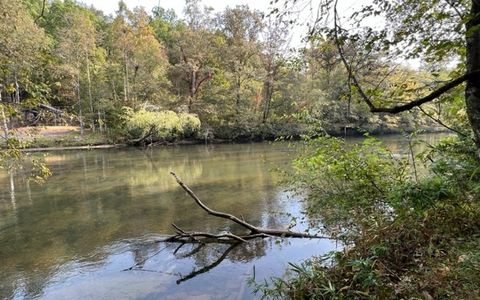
(101, 212)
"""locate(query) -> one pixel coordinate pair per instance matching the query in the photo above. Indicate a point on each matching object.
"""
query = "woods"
(234, 69)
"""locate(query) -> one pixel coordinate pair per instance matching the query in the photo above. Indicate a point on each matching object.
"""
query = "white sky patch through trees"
(345, 8)
(110, 6)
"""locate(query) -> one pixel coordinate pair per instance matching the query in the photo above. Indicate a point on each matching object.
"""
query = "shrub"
(160, 125)
(349, 185)
(418, 236)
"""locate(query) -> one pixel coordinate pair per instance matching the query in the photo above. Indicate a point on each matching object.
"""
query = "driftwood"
(51, 109)
(254, 232)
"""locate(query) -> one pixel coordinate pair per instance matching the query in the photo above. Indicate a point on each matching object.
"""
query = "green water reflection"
(97, 215)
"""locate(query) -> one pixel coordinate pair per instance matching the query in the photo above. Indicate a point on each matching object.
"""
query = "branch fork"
(205, 237)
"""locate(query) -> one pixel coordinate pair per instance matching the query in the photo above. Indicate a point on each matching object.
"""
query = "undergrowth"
(410, 231)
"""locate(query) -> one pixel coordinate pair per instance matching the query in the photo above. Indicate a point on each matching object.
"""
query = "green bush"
(250, 131)
(190, 124)
(410, 236)
(349, 185)
(160, 125)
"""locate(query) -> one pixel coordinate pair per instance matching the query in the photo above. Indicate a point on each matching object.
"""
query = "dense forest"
(223, 75)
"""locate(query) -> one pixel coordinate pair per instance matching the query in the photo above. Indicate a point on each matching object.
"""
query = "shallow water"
(101, 211)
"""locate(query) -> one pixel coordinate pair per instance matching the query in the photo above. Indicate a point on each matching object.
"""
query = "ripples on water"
(72, 237)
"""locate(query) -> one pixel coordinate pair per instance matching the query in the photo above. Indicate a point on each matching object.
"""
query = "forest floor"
(61, 137)
(28, 133)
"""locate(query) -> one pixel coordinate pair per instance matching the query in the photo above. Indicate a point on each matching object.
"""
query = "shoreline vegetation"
(60, 138)
(409, 234)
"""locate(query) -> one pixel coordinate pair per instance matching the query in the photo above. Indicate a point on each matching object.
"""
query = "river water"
(101, 212)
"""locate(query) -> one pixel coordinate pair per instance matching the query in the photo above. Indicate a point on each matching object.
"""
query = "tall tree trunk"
(114, 91)
(268, 91)
(4, 118)
(79, 98)
(238, 85)
(17, 86)
(90, 100)
(192, 89)
(472, 90)
(125, 77)
(134, 86)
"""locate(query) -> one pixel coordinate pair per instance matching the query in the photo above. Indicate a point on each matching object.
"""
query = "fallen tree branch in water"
(205, 237)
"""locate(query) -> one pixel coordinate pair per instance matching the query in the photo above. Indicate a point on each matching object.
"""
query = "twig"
(440, 122)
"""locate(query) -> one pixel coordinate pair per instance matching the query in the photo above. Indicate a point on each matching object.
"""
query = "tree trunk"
(4, 118)
(268, 91)
(472, 90)
(90, 100)
(80, 116)
(125, 77)
(134, 86)
(192, 90)
(17, 87)
(114, 91)
(238, 85)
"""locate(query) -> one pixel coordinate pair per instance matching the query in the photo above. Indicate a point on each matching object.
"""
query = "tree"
(275, 38)
(194, 54)
(432, 30)
(150, 62)
(76, 49)
(138, 56)
(241, 28)
(21, 45)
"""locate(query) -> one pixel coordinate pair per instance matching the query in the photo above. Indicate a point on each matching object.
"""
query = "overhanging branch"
(401, 107)
(430, 97)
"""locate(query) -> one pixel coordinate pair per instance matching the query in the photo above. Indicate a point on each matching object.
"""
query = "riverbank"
(60, 138)
(410, 234)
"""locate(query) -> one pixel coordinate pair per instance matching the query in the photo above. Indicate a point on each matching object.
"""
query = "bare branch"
(255, 232)
(398, 108)
(41, 13)
(430, 97)
(204, 79)
(440, 122)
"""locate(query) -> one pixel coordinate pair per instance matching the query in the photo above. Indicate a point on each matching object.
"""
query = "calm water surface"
(101, 211)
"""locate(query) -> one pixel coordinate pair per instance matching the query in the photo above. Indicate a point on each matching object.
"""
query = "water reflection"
(100, 212)
(56, 233)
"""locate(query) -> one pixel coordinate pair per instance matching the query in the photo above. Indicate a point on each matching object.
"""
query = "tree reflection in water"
(206, 256)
